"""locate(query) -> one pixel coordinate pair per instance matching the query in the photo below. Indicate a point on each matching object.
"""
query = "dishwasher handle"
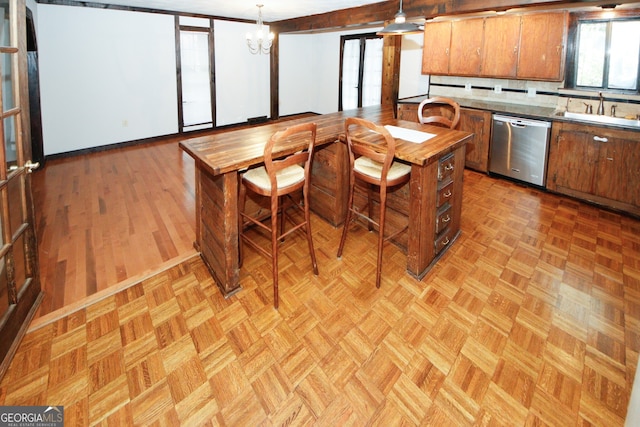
(521, 122)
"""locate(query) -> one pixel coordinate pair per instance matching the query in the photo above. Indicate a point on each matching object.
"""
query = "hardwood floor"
(531, 318)
(110, 218)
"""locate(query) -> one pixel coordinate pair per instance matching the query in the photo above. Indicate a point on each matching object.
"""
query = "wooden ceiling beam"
(378, 13)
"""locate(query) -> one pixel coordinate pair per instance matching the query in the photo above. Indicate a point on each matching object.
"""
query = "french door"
(195, 74)
(360, 71)
(20, 292)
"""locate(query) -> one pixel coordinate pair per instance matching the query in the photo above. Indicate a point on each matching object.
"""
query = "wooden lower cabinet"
(596, 164)
(408, 112)
(329, 179)
(477, 122)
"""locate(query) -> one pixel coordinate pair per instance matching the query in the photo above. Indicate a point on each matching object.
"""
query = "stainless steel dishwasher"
(519, 148)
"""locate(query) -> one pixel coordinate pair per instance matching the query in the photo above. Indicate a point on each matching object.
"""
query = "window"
(607, 55)
(361, 71)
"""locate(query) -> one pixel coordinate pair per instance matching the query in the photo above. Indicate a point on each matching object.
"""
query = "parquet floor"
(531, 318)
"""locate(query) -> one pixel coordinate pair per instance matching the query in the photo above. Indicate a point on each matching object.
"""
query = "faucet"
(600, 111)
(588, 108)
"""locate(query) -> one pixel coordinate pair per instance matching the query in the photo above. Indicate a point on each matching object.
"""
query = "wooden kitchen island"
(431, 204)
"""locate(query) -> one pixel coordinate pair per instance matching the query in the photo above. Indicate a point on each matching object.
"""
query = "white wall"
(412, 81)
(310, 65)
(109, 76)
(106, 76)
(296, 74)
(242, 79)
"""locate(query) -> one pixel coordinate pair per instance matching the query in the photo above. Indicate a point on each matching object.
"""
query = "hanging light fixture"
(400, 26)
(257, 42)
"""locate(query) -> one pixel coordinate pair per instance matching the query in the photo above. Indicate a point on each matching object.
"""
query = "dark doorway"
(37, 148)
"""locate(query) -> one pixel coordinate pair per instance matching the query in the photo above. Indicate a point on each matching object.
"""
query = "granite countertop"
(521, 110)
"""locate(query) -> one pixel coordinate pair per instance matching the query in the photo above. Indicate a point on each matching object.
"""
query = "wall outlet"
(497, 89)
(467, 87)
(125, 123)
(531, 92)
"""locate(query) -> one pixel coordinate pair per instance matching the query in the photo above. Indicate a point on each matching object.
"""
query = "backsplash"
(533, 93)
(542, 94)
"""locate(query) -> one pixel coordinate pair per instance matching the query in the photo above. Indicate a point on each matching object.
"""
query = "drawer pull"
(446, 219)
(600, 139)
(449, 167)
(447, 194)
(445, 242)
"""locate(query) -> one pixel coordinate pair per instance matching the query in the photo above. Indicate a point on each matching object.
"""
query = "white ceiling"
(273, 10)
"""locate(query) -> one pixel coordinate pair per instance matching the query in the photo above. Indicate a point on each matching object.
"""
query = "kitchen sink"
(607, 120)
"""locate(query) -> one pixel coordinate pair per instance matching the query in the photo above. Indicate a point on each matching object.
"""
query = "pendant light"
(400, 26)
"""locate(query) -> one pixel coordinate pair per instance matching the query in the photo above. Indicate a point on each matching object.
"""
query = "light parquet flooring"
(531, 318)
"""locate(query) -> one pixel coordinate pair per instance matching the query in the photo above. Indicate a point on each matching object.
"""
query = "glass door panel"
(372, 73)
(196, 80)
(361, 65)
(350, 74)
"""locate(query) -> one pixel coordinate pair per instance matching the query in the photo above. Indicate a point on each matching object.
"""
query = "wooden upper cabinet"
(466, 47)
(435, 53)
(527, 47)
(500, 46)
(542, 46)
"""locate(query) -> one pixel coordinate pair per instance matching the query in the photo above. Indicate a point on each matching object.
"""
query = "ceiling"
(273, 10)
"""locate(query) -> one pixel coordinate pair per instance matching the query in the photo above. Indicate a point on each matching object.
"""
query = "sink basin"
(607, 120)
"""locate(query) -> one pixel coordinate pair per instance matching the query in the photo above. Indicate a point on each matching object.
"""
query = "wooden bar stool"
(371, 162)
(441, 111)
(278, 179)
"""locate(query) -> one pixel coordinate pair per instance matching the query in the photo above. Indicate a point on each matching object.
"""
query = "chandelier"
(256, 42)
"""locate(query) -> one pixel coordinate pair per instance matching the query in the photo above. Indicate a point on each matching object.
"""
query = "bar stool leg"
(242, 198)
(307, 226)
(383, 205)
(370, 205)
(347, 220)
(274, 247)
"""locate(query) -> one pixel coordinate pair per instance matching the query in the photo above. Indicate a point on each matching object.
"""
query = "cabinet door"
(466, 47)
(573, 159)
(408, 112)
(542, 46)
(618, 165)
(477, 151)
(435, 52)
(500, 46)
